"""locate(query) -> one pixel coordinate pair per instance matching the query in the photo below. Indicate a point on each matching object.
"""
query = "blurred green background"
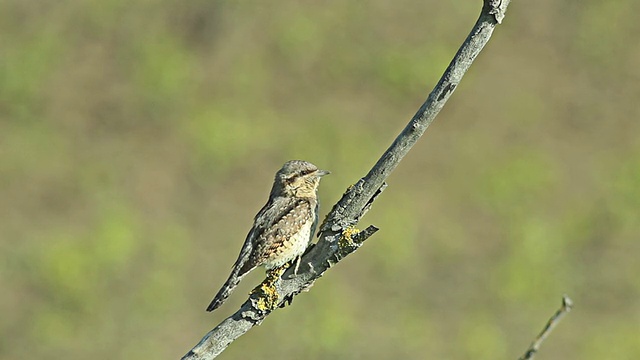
(138, 140)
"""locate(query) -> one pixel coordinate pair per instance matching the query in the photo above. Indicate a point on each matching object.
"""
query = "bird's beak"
(321, 173)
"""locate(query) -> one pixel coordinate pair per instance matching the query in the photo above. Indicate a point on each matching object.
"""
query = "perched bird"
(283, 228)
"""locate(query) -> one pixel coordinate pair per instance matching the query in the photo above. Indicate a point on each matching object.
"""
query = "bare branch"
(338, 236)
(567, 304)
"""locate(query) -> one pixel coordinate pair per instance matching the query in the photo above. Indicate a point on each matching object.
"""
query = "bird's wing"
(284, 220)
(270, 213)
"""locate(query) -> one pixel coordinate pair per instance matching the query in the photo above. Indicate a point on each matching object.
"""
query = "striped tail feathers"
(225, 291)
(241, 267)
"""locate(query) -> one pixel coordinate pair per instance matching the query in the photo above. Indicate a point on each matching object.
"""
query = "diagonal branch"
(338, 236)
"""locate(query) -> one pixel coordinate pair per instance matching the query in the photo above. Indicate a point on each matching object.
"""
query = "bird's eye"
(306, 172)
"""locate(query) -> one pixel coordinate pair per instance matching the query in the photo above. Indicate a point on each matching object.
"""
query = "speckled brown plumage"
(283, 228)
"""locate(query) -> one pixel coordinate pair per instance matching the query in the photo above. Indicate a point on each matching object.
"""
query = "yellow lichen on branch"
(268, 295)
(346, 238)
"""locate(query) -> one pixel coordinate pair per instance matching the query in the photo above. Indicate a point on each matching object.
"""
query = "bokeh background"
(138, 139)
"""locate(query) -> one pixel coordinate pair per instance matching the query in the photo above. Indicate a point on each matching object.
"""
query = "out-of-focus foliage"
(138, 139)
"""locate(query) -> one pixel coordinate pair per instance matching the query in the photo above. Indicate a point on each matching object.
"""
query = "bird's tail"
(226, 290)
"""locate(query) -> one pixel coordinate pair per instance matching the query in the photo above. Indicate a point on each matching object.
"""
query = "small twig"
(567, 304)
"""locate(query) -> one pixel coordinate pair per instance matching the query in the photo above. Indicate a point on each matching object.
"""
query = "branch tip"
(566, 306)
(496, 8)
(567, 303)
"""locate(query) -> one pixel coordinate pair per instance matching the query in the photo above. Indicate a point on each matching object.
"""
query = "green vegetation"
(138, 140)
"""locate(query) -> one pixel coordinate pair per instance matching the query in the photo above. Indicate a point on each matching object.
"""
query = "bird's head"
(297, 178)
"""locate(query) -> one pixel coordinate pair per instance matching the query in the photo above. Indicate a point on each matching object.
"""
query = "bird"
(282, 230)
